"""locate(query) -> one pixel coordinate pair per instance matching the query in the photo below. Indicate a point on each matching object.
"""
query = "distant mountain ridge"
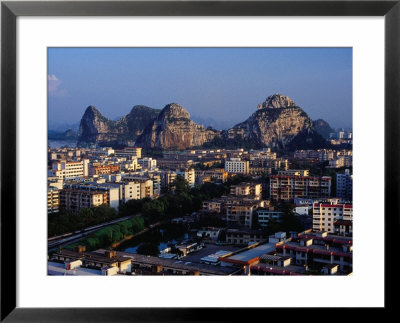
(276, 123)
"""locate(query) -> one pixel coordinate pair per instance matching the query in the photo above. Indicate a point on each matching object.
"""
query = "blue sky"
(224, 84)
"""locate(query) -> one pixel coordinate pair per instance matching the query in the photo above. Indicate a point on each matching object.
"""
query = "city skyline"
(222, 84)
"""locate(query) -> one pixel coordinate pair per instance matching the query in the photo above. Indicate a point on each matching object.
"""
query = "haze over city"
(221, 84)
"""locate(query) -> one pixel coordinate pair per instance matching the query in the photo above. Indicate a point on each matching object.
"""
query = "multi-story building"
(53, 200)
(74, 191)
(217, 175)
(317, 250)
(326, 214)
(247, 189)
(129, 191)
(287, 188)
(146, 184)
(148, 163)
(129, 152)
(265, 215)
(70, 169)
(237, 166)
(344, 185)
(104, 169)
(73, 200)
(240, 212)
(294, 172)
(188, 174)
(167, 178)
(244, 236)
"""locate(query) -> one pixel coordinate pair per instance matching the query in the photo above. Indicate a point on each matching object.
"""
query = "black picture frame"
(10, 10)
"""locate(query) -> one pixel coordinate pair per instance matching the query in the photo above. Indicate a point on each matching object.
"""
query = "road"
(71, 237)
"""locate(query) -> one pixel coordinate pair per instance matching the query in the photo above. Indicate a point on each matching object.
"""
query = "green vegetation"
(105, 237)
(68, 222)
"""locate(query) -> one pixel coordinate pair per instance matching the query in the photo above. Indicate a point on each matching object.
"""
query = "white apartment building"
(237, 166)
(188, 174)
(326, 214)
(148, 163)
(146, 184)
(70, 169)
(129, 191)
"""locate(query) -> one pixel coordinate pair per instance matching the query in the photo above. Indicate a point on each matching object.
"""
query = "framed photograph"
(205, 139)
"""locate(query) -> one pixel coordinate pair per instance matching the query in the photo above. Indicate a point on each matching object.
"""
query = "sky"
(222, 84)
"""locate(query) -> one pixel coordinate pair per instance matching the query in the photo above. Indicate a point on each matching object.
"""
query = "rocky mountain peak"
(175, 111)
(140, 108)
(91, 109)
(277, 101)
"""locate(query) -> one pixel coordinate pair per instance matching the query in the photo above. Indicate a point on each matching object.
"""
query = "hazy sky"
(225, 84)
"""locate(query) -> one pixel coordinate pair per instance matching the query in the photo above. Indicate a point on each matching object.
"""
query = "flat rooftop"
(250, 255)
(182, 264)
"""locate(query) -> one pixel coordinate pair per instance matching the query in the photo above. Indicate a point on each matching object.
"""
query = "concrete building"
(265, 215)
(294, 172)
(104, 169)
(167, 178)
(129, 191)
(287, 188)
(129, 152)
(146, 184)
(53, 200)
(247, 189)
(240, 212)
(325, 215)
(244, 236)
(70, 169)
(217, 175)
(344, 185)
(74, 200)
(316, 251)
(105, 261)
(147, 163)
(74, 191)
(237, 166)
(188, 174)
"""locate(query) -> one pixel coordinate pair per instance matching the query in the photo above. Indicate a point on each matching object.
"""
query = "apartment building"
(267, 214)
(75, 191)
(217, 175)
(148, 163)
(247, 189)
(104, 169)
(53, 200)
(73, 200)
(240, 212)
(318, 250)
(287, 188)
(237, 166)
(70, 169)
(294, 172)
(333, 218)
(188, 174)
(344, 185)
(129, 152)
